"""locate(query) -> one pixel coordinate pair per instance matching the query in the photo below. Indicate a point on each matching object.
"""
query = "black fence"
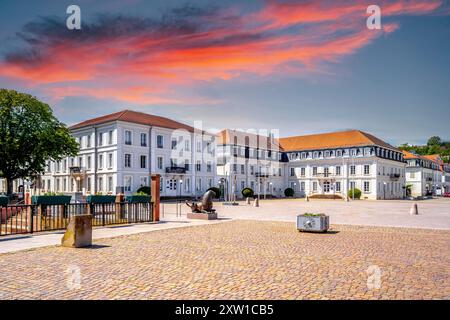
(23, 219)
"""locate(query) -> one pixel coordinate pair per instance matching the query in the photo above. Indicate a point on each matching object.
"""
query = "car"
(447, 194)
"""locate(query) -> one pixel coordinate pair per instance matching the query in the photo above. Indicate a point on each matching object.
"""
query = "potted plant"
(139, 197)
(289, 192)
(51, 198)
(100, 198)
(313, 222)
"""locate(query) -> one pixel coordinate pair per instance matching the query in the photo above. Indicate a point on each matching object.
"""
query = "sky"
(301, 67)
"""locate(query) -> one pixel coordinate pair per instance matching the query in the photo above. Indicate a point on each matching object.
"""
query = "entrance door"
(171, 188)
(326, 186)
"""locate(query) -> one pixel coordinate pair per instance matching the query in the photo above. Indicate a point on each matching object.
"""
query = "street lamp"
(384, 190)
(181, 186)
(271, 188)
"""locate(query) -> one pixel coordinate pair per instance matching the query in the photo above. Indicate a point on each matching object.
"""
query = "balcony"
(394, 176)
(261, 175)
(176, 170)
(77, 171)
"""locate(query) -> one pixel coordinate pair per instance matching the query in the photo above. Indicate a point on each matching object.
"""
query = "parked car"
(447, 194)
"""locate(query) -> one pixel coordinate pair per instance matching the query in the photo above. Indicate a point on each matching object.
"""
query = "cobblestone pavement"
(238, 260)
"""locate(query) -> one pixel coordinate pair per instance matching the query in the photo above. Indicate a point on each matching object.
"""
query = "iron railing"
(23, 219)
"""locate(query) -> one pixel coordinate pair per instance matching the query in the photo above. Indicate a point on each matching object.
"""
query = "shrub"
(357, 193)
(289, 192)
(216, 191)
(247, 193)
(144, 190)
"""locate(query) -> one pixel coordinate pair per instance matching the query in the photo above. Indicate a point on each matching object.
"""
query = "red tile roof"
(340, 139)
(134, 117)
(254, 140)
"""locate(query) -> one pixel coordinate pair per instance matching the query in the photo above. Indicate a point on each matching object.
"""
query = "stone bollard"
(414, 210)
(256, 202)
(307, 199)
(79, 232)
(248, 200)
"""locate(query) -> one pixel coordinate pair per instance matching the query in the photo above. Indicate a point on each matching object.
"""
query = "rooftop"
(134, 117)
(340, 139)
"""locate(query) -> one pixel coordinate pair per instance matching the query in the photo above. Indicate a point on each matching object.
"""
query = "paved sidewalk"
(27, 242)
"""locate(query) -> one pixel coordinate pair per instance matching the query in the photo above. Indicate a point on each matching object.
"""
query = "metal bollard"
(414, 209)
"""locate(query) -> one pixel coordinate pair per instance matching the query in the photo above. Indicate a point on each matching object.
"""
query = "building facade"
(425, 175)
(248, 159)
(118, 152)
(334, 163)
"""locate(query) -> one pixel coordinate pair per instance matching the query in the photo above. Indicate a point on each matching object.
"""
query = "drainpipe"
(95, 159)
(150, 150)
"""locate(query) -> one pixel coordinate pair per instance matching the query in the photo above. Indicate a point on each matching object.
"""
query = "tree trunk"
(9, 186)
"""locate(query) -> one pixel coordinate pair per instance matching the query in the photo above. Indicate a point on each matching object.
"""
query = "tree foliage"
(29, 136)
(435, 145)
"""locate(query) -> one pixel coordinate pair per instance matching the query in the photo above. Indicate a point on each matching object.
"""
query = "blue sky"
(298, 66)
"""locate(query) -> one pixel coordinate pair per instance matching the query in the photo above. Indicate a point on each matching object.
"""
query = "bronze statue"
(206, 206)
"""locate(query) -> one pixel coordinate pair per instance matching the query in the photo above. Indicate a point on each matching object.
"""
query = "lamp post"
(181, 186)
(295, 187)
(384, 190)
(271, 188)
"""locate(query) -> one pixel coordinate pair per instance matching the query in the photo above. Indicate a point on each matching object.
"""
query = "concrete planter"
(202, 216)
(51, 200)
(100, 199)
(4, 201)
(313, 222)
(138, 199)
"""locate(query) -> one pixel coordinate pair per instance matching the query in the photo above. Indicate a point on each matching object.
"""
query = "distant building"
(333, 163)
(246, 159)
(423, 174)
(119, 151)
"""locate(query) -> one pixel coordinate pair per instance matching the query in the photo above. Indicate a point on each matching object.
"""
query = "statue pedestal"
(79, 232)
(202, 216)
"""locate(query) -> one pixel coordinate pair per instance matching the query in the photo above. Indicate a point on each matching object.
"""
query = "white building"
(425, 175)
(332, 163)
(247, 159)
(119, 151)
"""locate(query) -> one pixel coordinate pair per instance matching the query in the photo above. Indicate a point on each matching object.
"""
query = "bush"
(289, 192)
(216, 191)
(247, 193)
(357, 193)
(144, 190)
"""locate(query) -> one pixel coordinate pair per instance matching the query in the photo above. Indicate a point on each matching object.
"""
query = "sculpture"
(206, 206)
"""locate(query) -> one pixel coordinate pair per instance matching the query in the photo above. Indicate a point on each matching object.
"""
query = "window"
(100, 184)
(159, 141)
(292, 172)
(242, 184)
(127, 183)
(234, 167)
(100, 161)
(143, 139)
(412, 175)
(187, 185)
(110, 160)
(366, 186)
(144, 181)
(314, 171)
(173, 162)
(338, 170)
(302, 172)
(352, 170)
(143, 162)
(366, 169)
(242, 169)
(302, 186)
(338, 186)
(314, 186)
(198, 185)
(199, 146)
(279, 172)
(187, 145)
(80, 161)
(88, 141)
(128, 137)
(326, 171)
(252, 169)
(127, 160)
(110, 139)
(89, 184)
(110, 184)
(208, 147)
(100, 139)
(159, 161)
(208, 166)
(89, 162)
(186, 165)
(198, 166)
(174, 143)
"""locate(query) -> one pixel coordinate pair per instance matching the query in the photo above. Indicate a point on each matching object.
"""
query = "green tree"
(29, 136)
(434, 141)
